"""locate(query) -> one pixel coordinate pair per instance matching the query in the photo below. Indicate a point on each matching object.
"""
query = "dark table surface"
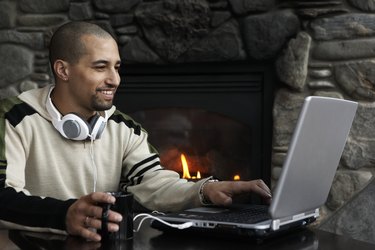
(149, 238)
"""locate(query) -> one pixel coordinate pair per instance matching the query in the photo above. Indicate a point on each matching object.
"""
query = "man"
(63, 146)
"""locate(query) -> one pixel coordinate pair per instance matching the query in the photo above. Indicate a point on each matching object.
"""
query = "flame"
(198, 175)
(236, 177)
(185, 169)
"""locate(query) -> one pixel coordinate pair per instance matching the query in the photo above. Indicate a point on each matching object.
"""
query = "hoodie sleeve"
(18, 208)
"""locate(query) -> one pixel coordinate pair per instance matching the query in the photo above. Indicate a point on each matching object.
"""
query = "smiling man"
(87, 74)
(62, 147)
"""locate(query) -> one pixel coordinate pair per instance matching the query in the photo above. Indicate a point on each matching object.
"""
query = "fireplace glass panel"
(212, 143)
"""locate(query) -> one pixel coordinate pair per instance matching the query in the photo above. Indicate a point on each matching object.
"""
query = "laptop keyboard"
(247, 215)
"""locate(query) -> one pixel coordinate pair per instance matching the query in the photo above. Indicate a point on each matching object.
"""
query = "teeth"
(108, 92)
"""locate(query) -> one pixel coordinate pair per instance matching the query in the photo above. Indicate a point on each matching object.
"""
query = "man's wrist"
(202, 197)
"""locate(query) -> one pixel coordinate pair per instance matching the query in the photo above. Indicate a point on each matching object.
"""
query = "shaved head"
(66, 43)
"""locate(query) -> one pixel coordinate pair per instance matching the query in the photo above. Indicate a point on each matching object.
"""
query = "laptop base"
(232, 232)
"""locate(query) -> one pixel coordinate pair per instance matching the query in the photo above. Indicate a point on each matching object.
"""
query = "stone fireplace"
(314, 47)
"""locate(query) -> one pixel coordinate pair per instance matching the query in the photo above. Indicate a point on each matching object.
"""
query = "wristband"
(204, 200)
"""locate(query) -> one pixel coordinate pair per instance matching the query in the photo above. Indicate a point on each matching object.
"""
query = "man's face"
(93, 80)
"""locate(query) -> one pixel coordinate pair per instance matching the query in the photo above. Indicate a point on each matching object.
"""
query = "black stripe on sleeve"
(3, 167)
(33, 211)
(140, 179)
(139, 164)
(19, 111)
(140, 173)
(128, 122)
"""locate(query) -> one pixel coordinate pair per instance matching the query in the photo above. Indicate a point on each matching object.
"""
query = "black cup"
(124, 206)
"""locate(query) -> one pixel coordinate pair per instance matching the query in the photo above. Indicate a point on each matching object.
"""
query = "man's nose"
(113, 78)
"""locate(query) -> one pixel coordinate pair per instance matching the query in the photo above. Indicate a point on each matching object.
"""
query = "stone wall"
(318, 48)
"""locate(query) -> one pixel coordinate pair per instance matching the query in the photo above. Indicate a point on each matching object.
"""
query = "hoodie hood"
(37, 99)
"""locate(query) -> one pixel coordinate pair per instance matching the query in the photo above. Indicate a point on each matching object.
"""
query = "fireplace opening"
(215, 117)
(211, 143)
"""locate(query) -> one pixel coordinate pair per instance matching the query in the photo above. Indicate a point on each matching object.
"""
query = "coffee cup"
(124, 206)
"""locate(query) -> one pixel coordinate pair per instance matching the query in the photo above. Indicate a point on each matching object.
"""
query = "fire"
(236, 177)
(185, 169)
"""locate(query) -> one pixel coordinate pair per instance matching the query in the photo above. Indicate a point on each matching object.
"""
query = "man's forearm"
(32, 211)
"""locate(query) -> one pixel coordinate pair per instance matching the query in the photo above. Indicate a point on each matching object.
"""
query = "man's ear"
(61, 69)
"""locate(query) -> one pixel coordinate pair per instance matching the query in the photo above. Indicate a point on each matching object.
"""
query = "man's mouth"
(108, 94)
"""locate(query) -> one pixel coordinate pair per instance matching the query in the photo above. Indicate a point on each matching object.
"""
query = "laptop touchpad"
(208, 210)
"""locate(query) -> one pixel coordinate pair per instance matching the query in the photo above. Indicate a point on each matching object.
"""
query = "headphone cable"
(95, 169)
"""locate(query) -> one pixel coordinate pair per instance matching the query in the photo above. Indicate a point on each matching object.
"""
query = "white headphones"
(73, 127)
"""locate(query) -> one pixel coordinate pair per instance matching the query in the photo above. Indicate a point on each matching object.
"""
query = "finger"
(91, 222)
(267, 200)
(101, 197)
(97, 212)
(97, 223)
(262, 189)
(263, 185)
(114, 217)
(94, 211)
(89, 234)
(254, 186)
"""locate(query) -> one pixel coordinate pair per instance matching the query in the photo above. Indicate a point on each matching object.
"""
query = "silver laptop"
(307, 174)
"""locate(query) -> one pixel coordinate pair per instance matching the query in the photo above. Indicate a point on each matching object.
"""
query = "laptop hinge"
(276, 224)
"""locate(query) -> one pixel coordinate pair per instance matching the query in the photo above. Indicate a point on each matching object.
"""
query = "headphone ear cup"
(74, 127)
(97, 125)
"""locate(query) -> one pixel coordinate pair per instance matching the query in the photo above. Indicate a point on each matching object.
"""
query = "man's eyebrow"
(104, 62)
(100, 62)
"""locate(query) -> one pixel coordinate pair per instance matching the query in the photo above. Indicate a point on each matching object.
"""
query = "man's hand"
(85, 214)
(221, 193)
